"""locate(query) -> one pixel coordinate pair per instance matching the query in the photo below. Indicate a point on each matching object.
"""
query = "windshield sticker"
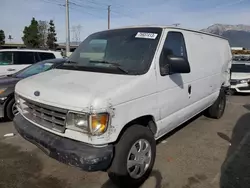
(146, 35)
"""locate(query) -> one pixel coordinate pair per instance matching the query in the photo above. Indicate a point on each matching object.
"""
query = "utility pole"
(109, 16)
(67, 27)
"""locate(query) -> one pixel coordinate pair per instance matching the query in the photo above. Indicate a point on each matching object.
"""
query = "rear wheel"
(11, 109)
(134, 157)
(216, 111)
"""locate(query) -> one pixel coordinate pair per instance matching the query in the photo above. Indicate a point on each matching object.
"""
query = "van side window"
(6, 58)
(174, 45)
(45, 56)
(22, 58)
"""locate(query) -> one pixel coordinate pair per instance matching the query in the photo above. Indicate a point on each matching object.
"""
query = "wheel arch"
(145, 120)
(9, 98)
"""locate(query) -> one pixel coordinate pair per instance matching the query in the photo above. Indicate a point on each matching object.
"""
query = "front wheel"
(134, 157)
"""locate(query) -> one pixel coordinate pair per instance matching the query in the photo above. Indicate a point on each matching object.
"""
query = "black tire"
(216, 111)
(118, 172)
(232, 92)
(9, 113)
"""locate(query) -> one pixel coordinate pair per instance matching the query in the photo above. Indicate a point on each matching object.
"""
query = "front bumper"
(65, 150)
(241, 88)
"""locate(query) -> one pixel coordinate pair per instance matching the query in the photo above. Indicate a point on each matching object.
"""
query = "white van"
(13, 60)
(120, 91)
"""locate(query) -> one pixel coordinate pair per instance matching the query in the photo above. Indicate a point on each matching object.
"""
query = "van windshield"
(122, 51)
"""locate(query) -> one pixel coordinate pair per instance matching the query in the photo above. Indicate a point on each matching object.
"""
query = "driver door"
(175, 89)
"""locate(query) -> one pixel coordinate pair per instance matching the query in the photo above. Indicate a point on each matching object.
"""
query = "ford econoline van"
(120, 91)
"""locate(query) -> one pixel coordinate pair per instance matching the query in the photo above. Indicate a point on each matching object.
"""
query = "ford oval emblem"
(37, 93)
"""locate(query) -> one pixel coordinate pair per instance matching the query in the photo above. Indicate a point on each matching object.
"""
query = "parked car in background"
(13, 60)
(7, 84)
(240, 76)
(120, 91)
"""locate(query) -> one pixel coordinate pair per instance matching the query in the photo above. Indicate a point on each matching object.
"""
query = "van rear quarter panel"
(209, 57)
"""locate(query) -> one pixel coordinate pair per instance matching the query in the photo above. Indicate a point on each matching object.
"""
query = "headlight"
(244, 81)
(2, 90)
(95, 124)
(77, 121)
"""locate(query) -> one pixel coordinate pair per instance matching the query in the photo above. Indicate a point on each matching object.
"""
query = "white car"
(13, 60)
(240, 76)
(120, 91)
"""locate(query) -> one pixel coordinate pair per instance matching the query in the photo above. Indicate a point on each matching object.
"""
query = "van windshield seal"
(122, 51)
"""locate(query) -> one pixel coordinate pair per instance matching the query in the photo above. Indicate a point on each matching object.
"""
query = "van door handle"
(11, 69)
(189, 89)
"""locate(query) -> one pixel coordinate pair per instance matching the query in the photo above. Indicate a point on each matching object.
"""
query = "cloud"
(196, 14)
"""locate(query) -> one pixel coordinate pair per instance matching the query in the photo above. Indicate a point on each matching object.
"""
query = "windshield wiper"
(113, 64)
(71, 62)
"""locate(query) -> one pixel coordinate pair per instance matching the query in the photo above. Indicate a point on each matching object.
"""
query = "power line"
(87, 6)
(102, 6)
(85, 12)
(51, 2)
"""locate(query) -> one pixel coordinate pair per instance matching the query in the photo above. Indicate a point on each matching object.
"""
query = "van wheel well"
(146, 121)
(6, 103)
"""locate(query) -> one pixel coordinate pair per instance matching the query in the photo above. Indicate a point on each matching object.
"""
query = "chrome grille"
(45, 115)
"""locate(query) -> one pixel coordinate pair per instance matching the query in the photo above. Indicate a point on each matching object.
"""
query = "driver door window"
(174, 45)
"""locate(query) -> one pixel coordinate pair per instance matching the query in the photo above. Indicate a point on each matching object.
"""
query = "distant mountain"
(237, 35)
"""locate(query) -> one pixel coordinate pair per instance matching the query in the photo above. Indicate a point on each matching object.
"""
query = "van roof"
(170, 27)
(26, 50)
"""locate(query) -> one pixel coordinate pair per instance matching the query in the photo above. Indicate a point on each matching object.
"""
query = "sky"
(91, 15)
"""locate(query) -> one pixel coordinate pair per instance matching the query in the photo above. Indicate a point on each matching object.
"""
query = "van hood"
(80, 90)
(240, 76)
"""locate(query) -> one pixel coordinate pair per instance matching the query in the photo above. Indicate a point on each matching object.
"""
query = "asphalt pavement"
(203, 153)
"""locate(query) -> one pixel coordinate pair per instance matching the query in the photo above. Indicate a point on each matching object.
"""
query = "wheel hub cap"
(139, 158)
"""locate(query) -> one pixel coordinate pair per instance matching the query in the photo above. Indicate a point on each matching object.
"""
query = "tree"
(2, 37)
(51, 39)
(43, 32)
(31, 36)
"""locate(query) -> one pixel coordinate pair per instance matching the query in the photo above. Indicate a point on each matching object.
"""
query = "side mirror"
(178, 64)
